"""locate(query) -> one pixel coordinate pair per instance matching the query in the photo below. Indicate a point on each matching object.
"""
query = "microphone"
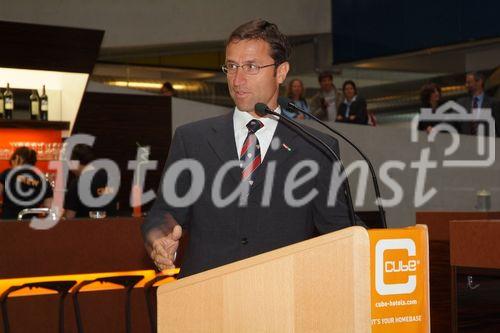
(262, 110)
(286, 103)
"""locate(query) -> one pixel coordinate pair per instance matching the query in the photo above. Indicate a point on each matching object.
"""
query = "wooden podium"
(319, 285)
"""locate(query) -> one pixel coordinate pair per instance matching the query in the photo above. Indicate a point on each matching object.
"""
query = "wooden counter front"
(438, 224)
(72, 246)
(475, 260)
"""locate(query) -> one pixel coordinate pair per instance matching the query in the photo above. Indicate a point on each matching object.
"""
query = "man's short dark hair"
(478, 76)
(268, 32)
(324, 75)
(167, 86)
(83, 154)
(26, 154)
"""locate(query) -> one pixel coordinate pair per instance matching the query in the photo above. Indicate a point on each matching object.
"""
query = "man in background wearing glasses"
(256, 64)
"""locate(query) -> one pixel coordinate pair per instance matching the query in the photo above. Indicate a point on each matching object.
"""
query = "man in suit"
(477, 99)
(326, 102)
(284, 179)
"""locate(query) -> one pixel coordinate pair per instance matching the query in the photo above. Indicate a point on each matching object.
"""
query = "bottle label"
(45, 106)
(35, 107)
(1, 106)
(9, 104)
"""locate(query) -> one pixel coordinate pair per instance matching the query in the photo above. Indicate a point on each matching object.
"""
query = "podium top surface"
(359, 234)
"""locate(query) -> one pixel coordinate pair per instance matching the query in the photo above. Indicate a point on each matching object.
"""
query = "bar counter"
(76, 250)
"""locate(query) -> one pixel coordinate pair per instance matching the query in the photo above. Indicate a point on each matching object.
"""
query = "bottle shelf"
(34, 124)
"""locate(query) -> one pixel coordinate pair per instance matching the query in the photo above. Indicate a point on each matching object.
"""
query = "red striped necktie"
(250, 152)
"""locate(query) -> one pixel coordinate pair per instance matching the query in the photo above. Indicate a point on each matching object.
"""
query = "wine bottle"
(34, 105)
(2, 107)
(8, 98)
(44, 105)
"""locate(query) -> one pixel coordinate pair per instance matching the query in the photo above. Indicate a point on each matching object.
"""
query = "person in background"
(430, 98)
(21, 186)
(168, 90)
(478, 99)
(325, 103)
(73, 205)
(372, 119)
(296, 92)
(353, 109)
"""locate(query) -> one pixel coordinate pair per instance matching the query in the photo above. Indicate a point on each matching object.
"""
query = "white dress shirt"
(265, 134)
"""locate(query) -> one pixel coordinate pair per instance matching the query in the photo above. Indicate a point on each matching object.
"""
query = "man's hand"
(164, 249)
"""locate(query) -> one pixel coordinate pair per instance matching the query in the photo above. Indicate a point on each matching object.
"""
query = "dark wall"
(33, 46)
(364, 29)
(118, 123)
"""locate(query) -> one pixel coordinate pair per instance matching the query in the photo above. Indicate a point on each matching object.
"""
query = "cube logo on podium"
(395, 266)
(400, 280)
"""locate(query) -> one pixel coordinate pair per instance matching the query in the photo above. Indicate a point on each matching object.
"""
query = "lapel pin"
(284, 145)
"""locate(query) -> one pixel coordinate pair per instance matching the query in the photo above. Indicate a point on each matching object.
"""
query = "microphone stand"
(261, 109)
(381, 211)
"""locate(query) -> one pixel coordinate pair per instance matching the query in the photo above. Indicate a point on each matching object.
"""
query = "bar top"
(34, 124)
(438, 222)
(475, 243)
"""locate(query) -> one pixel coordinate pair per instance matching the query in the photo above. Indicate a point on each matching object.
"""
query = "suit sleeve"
(464, 126)
(362, 112)
(341, 112)
(495, 111)
(329, 218)
(163, 216)
(315, 107)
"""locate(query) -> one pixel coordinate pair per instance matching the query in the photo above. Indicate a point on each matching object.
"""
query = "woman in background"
(21, 186)
(296, 92)
(353, 109)
(430, 98)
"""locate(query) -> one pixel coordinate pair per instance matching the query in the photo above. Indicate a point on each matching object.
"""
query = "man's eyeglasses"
(251, 69)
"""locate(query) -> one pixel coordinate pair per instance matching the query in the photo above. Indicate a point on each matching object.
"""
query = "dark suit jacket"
(358, 109)
(423, 124)
(222, 235)
(488, 102)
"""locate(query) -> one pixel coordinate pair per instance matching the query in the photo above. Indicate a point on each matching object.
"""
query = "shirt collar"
(479, 97)
(241, 118)
(352, 100)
